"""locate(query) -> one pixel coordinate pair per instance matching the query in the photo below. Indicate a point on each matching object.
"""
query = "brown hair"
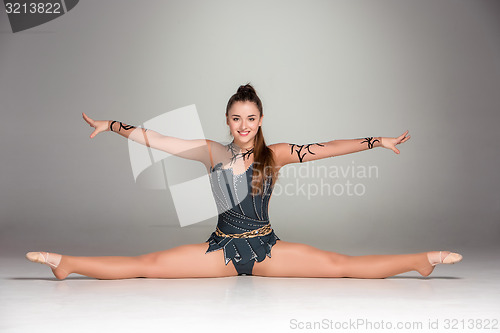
(264, 164)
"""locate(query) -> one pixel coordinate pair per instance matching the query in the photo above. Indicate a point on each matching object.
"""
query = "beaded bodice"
(239, 212)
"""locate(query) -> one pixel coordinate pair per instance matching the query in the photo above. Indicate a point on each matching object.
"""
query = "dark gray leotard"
(239, 211)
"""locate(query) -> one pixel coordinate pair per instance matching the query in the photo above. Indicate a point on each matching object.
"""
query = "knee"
(340, 258)
(148, 259)
(340, 264)
(147, 265)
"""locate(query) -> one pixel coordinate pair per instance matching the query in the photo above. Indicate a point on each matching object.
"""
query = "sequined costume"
(241, 213)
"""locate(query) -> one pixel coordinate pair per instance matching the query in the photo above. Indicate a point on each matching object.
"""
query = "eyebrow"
(252, 115)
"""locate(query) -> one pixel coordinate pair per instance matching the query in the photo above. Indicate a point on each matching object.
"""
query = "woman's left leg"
(301, 260)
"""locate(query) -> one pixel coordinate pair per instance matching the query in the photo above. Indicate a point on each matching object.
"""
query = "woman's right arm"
(190, 149)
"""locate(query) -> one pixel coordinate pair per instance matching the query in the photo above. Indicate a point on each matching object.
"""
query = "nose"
(243, 126)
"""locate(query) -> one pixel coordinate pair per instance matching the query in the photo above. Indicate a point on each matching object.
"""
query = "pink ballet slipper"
(50, 259)
(451, 258)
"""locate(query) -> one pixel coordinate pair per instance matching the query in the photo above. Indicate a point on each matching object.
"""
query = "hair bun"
(246, 89)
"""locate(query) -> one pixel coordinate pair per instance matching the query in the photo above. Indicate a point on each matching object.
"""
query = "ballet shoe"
(50, 259)
(450, 258)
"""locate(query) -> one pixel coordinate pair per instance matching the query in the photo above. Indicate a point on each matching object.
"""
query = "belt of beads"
(265, 230)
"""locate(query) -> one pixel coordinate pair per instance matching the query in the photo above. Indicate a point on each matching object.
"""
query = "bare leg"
(186, 261)
(301, 260)
(382, 266)
(107, 267)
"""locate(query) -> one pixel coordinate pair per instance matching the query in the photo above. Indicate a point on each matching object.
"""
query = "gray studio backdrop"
(324, 70)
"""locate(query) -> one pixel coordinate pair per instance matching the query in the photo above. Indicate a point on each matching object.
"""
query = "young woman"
(242, 176)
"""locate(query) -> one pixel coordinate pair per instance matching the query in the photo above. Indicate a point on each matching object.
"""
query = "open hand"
(390, 143)
(99, 125)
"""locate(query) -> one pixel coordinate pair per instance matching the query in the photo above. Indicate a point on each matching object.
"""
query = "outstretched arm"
(189, 149)
(293, 153)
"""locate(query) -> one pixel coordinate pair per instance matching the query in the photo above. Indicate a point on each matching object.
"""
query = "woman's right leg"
(185, 261)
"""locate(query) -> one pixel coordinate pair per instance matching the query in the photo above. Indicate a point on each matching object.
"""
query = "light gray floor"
(32, 300)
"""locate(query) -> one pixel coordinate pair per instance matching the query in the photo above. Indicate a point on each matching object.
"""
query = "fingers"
(88, 120)
(403, 135)
(403, 138)
(400, 139)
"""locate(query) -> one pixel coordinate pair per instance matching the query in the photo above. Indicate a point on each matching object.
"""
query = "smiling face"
(244, 120)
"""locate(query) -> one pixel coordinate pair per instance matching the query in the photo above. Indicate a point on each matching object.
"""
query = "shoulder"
(280, 151)
(280, 148)
(214, 145)
(217, 151)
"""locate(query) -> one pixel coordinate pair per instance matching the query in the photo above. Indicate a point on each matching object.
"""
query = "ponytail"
(264, 163)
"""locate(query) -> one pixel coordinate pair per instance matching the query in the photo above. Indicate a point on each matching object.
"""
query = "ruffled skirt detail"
(242, 250)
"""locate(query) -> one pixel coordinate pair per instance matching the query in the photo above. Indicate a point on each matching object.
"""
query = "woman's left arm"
(292, 153)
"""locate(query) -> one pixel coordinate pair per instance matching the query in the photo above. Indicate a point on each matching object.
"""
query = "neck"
(243, 146)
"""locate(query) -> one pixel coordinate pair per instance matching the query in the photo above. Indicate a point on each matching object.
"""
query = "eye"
(252, 119)
(235, 119)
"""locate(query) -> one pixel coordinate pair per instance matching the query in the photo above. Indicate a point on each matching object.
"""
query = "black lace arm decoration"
(235, 156)
(122, 125)
(301, 148)
(370, 142)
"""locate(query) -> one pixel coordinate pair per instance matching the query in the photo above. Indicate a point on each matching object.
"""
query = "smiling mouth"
(244, 133)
